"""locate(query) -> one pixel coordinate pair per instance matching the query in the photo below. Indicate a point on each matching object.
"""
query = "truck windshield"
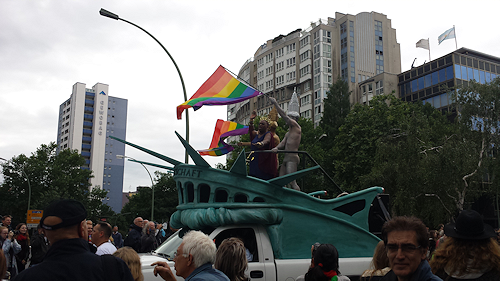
(169, 247)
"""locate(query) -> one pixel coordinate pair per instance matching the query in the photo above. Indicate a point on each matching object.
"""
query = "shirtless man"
(290, 142)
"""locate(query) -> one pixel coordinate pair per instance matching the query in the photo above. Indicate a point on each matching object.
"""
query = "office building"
(433, 81)
(352, 47)
(86, 120)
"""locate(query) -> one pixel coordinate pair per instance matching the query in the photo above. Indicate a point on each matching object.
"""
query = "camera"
(16, 232)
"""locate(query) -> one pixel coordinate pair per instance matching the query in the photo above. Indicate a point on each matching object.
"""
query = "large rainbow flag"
(222, 130)
(220, 89)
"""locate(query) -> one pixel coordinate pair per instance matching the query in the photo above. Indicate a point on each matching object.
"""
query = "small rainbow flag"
(220, 89)
(222, 130)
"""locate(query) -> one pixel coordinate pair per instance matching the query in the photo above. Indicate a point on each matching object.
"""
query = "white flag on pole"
(448, 34)
(423, 43)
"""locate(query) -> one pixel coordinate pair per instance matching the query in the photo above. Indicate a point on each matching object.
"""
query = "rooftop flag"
(423, 43)
(220, 89)
(448, 34)
(222, 130)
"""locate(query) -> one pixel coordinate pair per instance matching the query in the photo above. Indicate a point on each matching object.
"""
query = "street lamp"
(320, 137)
(110, 15)
(152, 183)
(29, 185)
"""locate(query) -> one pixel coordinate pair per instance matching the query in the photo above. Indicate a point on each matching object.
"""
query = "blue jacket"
(207, 273)
(117, 238)
(423, 273)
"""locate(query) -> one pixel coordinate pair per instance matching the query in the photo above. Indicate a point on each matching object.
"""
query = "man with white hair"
(193, 260)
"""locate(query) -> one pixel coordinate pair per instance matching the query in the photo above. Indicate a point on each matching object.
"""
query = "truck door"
(259, 251)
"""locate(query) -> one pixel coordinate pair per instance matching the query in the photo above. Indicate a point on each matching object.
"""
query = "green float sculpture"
(294, 220)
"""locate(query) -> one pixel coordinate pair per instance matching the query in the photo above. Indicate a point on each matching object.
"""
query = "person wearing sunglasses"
(406, 243)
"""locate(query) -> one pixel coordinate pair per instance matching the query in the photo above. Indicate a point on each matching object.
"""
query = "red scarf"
(21, 237)
(332, 274)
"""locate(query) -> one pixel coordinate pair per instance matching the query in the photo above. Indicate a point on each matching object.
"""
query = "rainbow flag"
(223, 129)
(220, 89)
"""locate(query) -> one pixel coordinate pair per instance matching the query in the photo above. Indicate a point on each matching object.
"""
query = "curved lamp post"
(152, 183)
(29, 185)
(110, 15)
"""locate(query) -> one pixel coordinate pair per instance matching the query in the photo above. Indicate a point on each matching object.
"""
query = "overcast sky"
(47, 46)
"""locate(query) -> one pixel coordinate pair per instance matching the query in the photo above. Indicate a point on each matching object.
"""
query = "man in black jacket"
(133, 239)
(39, 246)
(68, 257)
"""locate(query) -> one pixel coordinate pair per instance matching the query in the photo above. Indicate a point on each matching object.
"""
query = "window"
(327, 50)
(279, 53)
(269, 58)
(305, 100)
(269, 70)
(260, 74)
(379, 87)
(290, 62)
(304, 56)
(327, 66)
(260, 62)
(280, 66)
(304, 42)
(327, 36)
(316, 67)
(246, 234)
(290, 48)
(304, 71)
(307, 86)
(280, 80)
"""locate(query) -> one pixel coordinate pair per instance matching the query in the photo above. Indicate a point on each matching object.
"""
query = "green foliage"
(165, 201)
(336, 108)
(51, 176)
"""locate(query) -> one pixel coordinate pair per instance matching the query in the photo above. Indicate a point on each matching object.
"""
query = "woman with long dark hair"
(326, 265)
(23, 239)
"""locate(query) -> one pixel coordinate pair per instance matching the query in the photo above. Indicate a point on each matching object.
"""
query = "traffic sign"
(34, 217)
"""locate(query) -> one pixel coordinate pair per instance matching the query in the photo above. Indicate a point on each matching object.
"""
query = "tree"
(478, 106)
(407, 148)
(336, 108)
(51, 176)
(166, 201)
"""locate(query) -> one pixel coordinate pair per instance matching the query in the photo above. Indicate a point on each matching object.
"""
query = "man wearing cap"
(470, 252)
(68, 257)
(100, 237)
(406, 242)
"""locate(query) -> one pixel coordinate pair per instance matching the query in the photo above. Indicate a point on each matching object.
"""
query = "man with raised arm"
(291, 141)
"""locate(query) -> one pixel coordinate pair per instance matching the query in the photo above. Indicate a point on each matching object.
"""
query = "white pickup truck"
(263, 266)
(278, 225)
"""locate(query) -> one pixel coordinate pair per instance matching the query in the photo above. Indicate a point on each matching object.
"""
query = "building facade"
(433, 81)
(86, 120)
(352, 47)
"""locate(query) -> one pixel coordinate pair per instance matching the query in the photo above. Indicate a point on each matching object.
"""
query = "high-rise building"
(86, 120)
(352, 47)
(433, 81)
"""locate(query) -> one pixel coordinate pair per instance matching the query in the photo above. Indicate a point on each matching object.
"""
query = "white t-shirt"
(105, 248)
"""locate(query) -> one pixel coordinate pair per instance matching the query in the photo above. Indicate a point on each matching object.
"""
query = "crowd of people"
(66, 246)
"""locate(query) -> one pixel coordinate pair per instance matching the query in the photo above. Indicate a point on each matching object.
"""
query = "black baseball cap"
(70, 211)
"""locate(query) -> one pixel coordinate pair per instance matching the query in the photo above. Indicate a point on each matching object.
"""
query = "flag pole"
(454, 31)
(429, 49)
